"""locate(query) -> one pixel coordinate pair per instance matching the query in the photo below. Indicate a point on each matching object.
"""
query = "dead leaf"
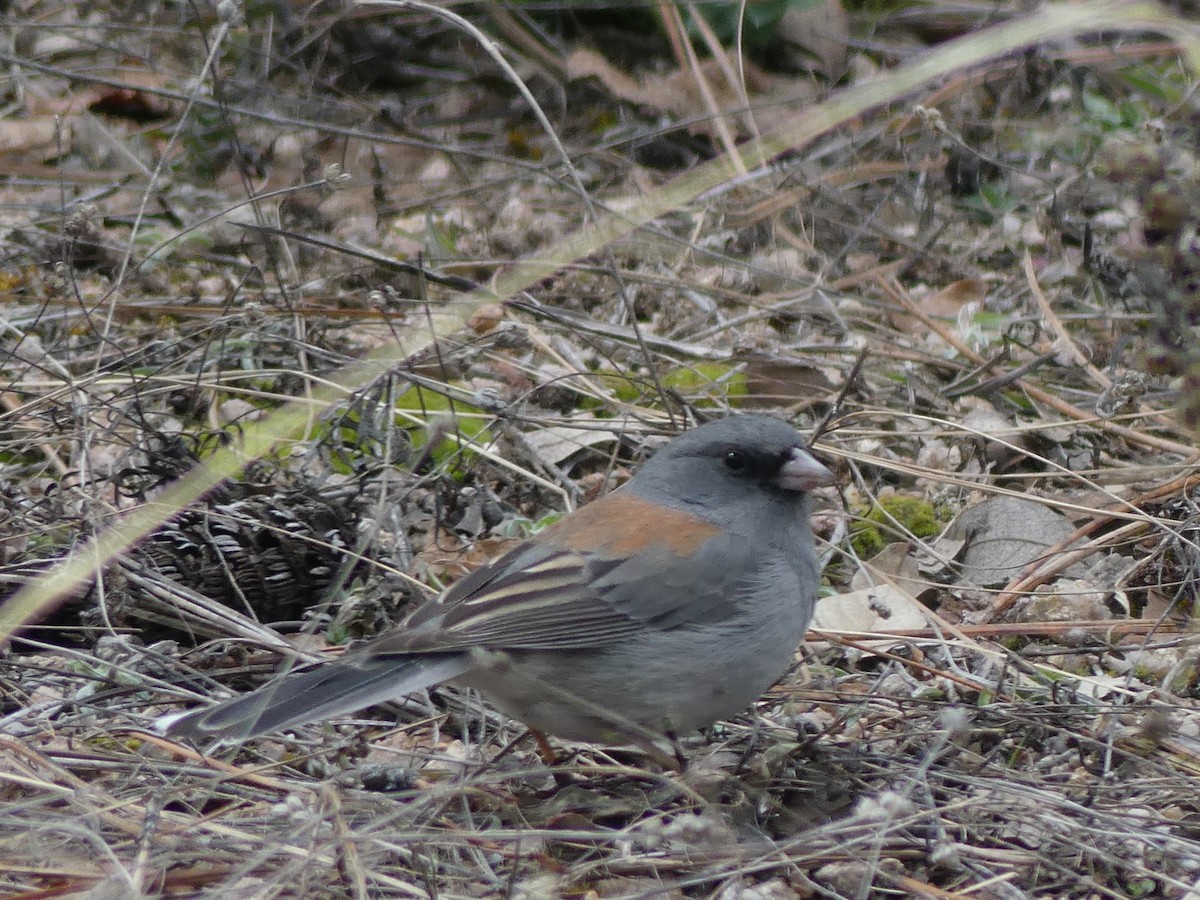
(945, 304)
(1004, 450)
(1067, 600)
(820, 32)
(896, 565)
(879, 608)
(449, 558)
(676, 92)
(132, 104)
(558, 443)
(35, 137)
(780, 382)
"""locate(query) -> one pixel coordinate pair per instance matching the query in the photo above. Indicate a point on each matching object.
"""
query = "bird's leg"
(545, 751)
(680, 759)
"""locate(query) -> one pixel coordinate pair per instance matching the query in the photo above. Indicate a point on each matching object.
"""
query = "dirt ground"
(309, 309)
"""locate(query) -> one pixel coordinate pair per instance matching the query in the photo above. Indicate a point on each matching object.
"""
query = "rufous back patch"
(629, 525)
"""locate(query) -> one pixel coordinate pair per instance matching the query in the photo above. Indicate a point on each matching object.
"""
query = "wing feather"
(543, 597)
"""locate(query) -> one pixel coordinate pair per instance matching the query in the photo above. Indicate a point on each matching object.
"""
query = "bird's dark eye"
(735, 460)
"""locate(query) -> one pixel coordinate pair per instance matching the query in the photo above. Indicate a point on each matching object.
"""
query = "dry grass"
(191, 285)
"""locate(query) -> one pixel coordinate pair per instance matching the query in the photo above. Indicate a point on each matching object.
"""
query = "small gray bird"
(671, 602)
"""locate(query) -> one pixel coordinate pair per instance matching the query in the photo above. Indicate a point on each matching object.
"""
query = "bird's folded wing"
(540, 597)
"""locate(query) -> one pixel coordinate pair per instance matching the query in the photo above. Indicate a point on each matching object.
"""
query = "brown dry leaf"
(132, 104)
(33, 138)
(138, 99)
(934, 23)
(1066, 600)
(658, 92)
(778, 382)
(998, 435)
(449, 558)
(558, 443)
(486, 319)
(945, 304)
(879, 608)
(820, 32)
(896, 565)
(676, 91)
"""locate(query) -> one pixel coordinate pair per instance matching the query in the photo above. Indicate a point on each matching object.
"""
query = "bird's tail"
(312, 694)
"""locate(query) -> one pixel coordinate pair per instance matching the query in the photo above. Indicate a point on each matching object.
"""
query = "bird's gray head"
(727, 468)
